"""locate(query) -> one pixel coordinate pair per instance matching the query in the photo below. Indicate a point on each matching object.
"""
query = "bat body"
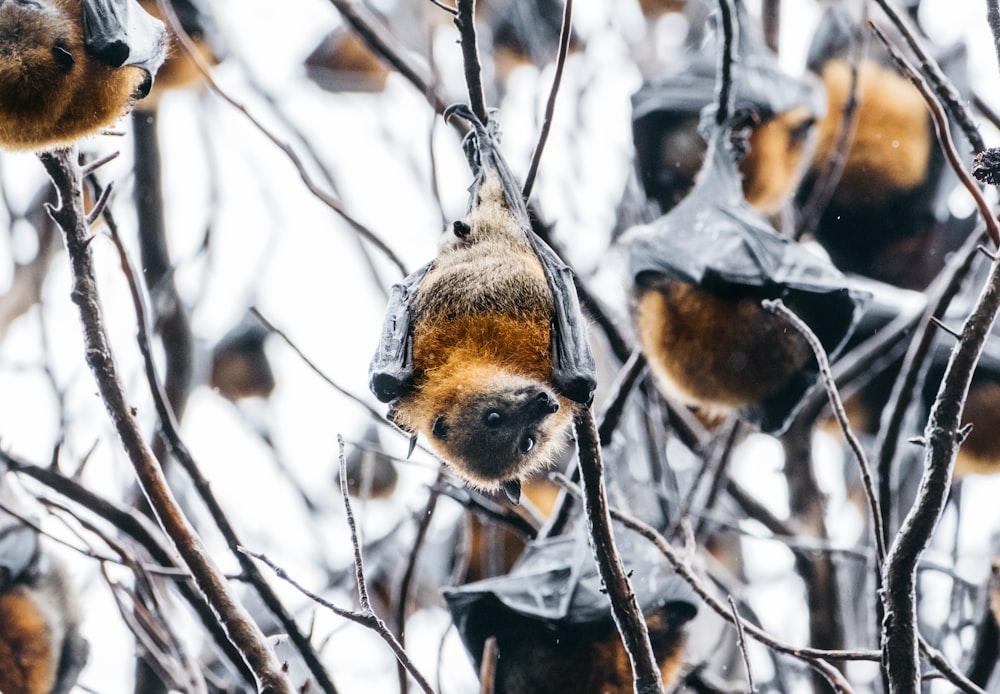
(484, 350)
(552, 620)
(887, 218)
(70, 68)
(666, 114)
(698, 276)
(41, 649)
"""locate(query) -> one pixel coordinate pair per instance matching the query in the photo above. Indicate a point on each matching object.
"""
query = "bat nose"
(546, 402)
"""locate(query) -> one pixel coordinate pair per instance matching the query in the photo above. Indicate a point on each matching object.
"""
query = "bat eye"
(440, 428)
(527, 443)
(493, 419)
(62, 56)
(461, 229)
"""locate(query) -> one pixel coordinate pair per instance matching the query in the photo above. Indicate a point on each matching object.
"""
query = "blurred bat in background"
(41, 649)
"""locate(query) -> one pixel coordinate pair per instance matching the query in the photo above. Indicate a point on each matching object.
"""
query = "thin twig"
(741, 643)
(624, 606)
(778, 307)
(550, 106)
(244, 633)
(411, 565)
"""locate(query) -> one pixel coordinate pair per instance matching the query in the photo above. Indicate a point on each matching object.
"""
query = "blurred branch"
(243, 632)
(565, 32)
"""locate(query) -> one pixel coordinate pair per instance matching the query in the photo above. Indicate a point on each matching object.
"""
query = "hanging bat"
(484, 350)
(552, 621)
(782, 111)
(888, 217)
(698, 276)
(41, 649)
(70, 68)
(178, 70)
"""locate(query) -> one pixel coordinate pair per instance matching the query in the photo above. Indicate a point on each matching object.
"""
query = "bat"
(698, 275)
(552, 620)
(41, 649)
(178, 70)
(888, 217)
(782, 110)
(484, 350)
(70, 68)
(240, 367)
(342, 62)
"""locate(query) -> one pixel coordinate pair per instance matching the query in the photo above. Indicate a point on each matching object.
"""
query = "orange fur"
(44, 105)
(892, 145)
(712, 353)
(27, 663)
(777, 160)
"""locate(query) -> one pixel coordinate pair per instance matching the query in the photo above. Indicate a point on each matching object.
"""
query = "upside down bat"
(70, 68)
(484, 350)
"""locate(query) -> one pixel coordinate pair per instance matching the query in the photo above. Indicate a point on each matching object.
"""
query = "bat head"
(40, 43)
(498, 431)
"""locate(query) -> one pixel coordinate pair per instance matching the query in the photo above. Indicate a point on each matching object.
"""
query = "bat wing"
(18, 550)
(120, 32)
(573, 369)
(390, 373)
(556, 583)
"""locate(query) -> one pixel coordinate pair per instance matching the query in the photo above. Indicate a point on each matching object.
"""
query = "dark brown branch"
(725, 93)
(771, 18)
(139, 529)
(171, 436)
(488, 670)
(940, 295)
(465, 20)
(815, 657)
(240, 627)
(624, 606)
(550, 106)
(900, 643)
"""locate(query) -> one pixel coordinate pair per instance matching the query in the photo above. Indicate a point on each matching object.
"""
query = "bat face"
(482, 351)
(781, 149)
(485, 349)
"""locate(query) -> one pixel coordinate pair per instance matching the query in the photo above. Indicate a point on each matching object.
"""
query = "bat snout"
(537, 401)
